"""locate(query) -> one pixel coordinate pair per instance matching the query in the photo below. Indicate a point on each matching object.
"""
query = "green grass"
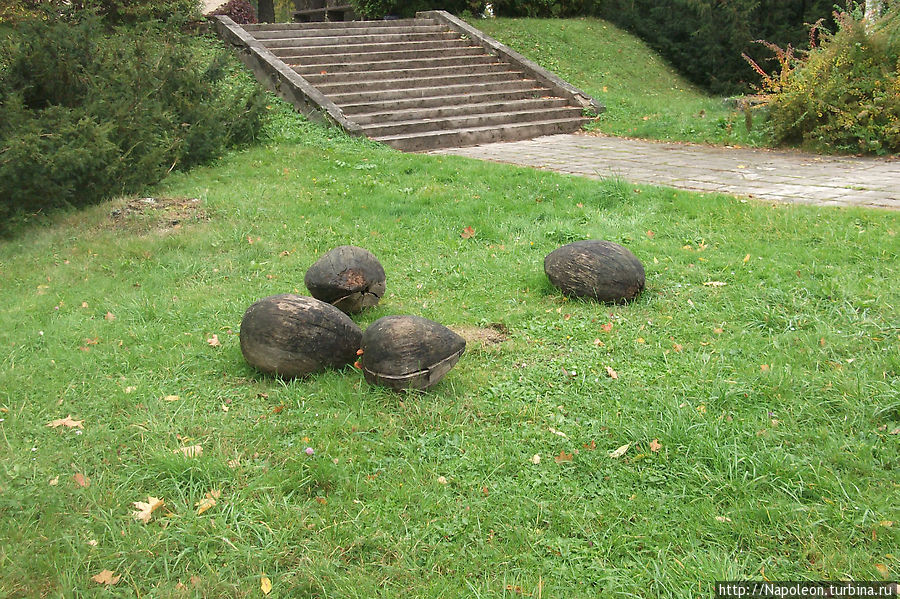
(644, 97)
(773, 397)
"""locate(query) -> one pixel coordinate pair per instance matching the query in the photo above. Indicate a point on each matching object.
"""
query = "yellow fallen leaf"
(145, 510)
(265, 585)
(536, 459)
(612, 373)
(618, 453)
(883, 570)
(54, 481)
(207, 502)
(194, 451)
(214, 341)
(106, 577)
(747, 258)
(442, 480)
(67, 422)
(171, 398)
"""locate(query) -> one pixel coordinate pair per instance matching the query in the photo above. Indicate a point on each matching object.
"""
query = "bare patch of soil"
(487, 337)
(160, 214)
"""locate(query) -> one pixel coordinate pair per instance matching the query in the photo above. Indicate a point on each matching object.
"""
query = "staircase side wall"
(281, 79)
(561, 87)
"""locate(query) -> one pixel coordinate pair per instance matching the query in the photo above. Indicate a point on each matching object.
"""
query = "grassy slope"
(784, 470)
(643, 96)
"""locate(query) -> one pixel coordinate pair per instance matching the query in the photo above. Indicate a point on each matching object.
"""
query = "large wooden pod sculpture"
(348, 277)
(409, 352)
(601, 270)
(293, 336)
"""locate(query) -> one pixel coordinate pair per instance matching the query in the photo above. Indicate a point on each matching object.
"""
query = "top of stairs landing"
(415, 84)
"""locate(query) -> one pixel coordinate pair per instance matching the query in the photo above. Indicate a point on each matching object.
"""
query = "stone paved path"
(781, 176)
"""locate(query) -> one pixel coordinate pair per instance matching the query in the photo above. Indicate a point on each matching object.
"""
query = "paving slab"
(768, 175)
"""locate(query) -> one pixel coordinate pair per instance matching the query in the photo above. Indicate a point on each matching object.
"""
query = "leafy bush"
(377, 9)
(86, 114)
(240, 11)
(116, 12)
(844, 94)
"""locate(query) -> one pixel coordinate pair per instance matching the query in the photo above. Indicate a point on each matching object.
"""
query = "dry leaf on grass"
(612, 373)
(883, 570)
(536, 459)
(207, 502)
(723, 519)
(145, 510)
(618, 453)
(265, 585)
(214, 341)
(110, 316)
(194, 451)
(714, 284)
(81, 480)
(467, 233)
(562, 457)
(655, 445)
(106, 577)
(171, 398)
(67, 422)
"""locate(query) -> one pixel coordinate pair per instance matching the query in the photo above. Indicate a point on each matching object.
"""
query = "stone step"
(408, 83)
(400, 48)
(390, 116)
(305, 31)
(494, 119)
(337, 25)
(360, 68)
(319, 78)
(429, 92)
(391, 38)
(304, 58)
(363, 106)
(457, 138)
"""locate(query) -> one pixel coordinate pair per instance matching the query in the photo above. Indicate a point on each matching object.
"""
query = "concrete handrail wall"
(282, 79)
(564, 89)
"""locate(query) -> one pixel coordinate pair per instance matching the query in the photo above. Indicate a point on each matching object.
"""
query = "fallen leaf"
(612, 373)
(467, 233)
(207, 502)
(677, 347)
(556, 432)
(53, 481)
(886, 523)
(883, 570)
(718, 331)
(536, 459)
(93, 543)
(764, 367)
(145, 510)
(278, 409)
(515, 589)
(655, 445)
(130, 389)
(607, 327)
(442, 480)
(715, 284)
(171, 398)
(651, 234)
(67, 422)
(747, 258)
(618, 453)
(641, 340)
(723, 519)
(106, 577)
(599, 343)
(84, 304)
(81, 480)
(265, 585)
(110, 316)
(194, 451)
(590, 446)
(562, 457)
(214, 341)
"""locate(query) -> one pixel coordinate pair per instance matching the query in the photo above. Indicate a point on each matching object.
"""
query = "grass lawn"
(757, 390)
(643, 95)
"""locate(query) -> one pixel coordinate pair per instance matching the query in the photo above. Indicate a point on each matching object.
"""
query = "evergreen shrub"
(86, 113)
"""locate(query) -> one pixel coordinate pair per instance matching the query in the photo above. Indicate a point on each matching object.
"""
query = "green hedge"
(377, 9)
(86, 113)
(703, 39)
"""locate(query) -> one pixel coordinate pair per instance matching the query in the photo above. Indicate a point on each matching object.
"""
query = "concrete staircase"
(416, 84)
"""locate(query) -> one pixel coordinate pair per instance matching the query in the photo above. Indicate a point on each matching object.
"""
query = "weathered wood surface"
(601, 270)
(409, 352)
(348, 277)
(293, 336)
